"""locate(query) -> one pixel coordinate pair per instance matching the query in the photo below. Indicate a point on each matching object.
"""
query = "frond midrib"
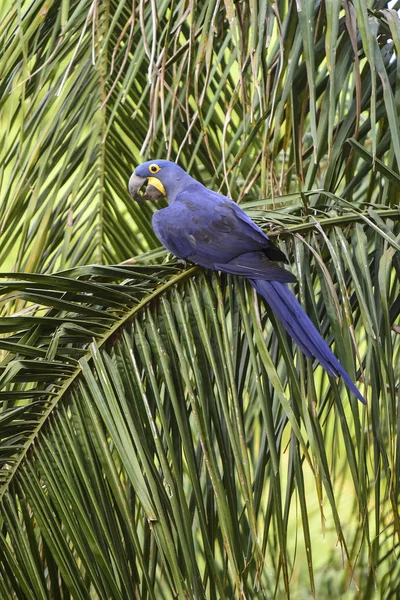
(66, 386)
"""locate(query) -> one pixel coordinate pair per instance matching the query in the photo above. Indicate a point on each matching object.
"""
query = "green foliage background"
(160, 436)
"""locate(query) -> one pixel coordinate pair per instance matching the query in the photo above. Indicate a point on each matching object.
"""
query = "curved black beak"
(154, 190)
(135, 184)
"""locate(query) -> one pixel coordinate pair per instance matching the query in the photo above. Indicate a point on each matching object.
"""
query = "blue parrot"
(210, 230)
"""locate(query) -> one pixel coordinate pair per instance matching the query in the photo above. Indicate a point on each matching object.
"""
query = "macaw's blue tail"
(301, 329)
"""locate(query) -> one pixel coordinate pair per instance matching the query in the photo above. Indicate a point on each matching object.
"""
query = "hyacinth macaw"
(210, 230)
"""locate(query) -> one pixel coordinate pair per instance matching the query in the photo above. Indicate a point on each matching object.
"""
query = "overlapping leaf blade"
(158, 437)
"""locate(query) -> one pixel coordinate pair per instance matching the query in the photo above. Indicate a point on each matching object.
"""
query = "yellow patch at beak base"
(157, 184)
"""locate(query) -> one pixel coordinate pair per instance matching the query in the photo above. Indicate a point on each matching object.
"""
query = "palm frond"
(199, 424)
(160, 436)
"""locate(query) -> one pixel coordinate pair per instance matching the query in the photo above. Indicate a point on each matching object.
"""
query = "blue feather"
(300, 327)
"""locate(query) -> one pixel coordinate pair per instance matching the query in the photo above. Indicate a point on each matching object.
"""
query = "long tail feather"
(301, 329)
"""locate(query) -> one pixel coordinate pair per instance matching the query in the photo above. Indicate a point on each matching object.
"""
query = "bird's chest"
(174, 227)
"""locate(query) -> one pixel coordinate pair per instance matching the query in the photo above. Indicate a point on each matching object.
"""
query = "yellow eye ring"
(154, 168)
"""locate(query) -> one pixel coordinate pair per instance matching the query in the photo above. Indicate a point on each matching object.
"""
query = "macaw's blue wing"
(217, 234)
(255, 265)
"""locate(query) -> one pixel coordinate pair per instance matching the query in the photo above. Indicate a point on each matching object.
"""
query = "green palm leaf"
(186, 390)
(160, 435)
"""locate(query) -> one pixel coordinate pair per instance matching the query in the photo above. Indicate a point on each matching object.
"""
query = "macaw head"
(163, 178)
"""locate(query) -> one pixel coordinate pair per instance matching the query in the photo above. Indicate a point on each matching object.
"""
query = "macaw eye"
(154, 168)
